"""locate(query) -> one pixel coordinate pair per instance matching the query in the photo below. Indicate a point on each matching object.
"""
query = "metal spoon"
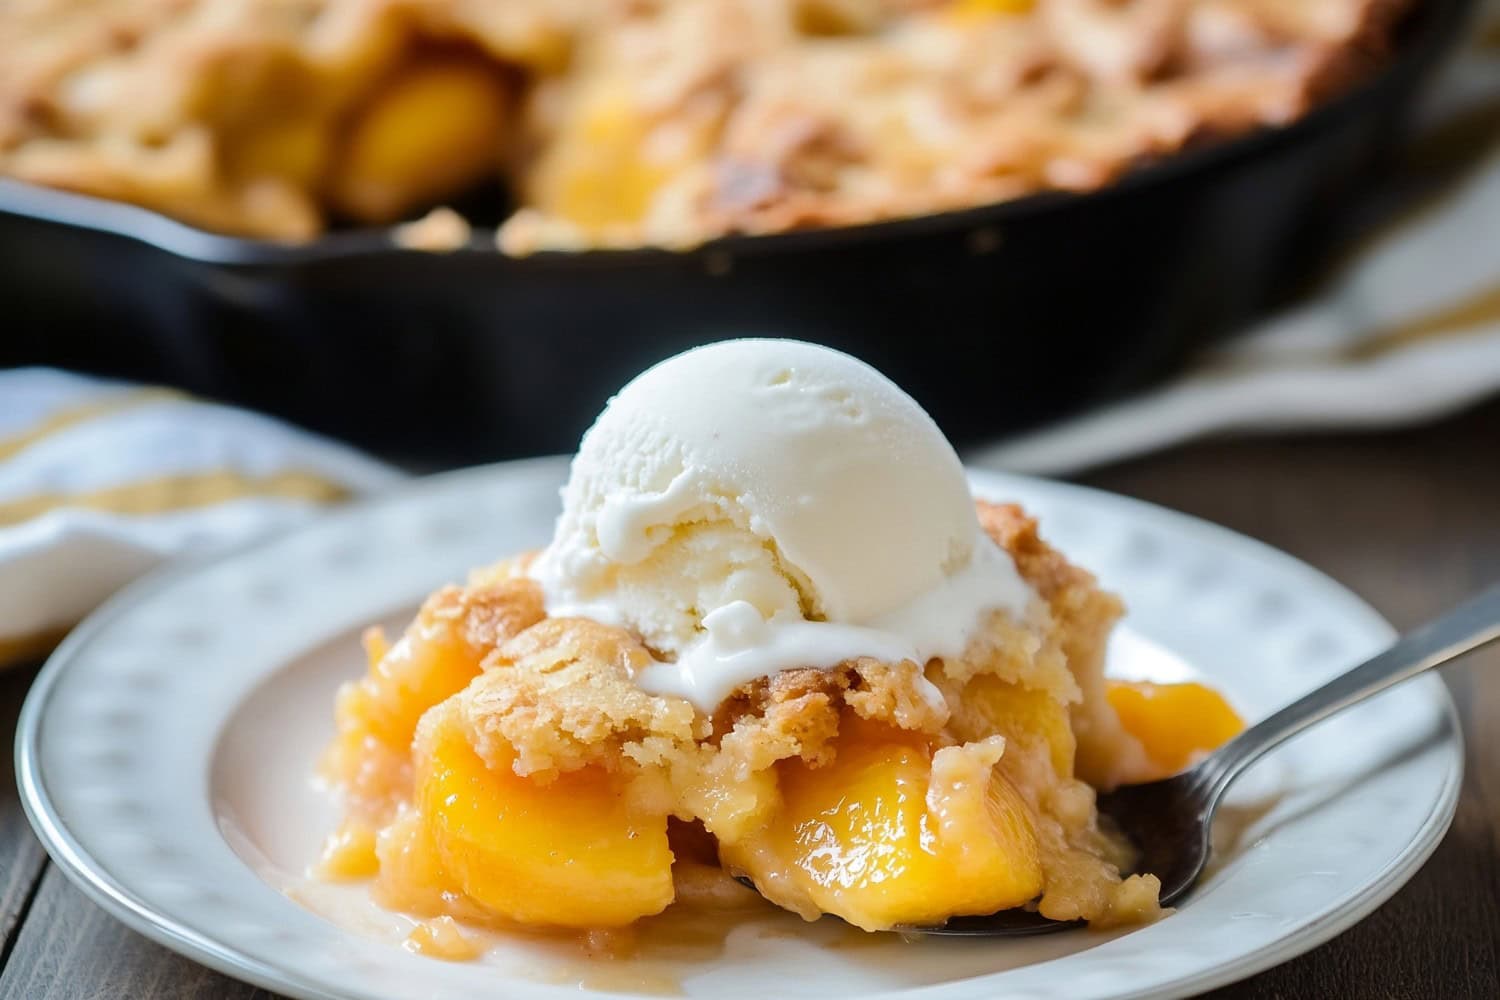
(1169, 821)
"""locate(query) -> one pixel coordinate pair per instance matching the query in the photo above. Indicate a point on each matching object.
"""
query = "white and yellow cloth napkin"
(100, 482)
(1408, 329)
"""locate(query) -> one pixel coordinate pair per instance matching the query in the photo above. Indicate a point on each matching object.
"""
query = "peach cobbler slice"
(501, 766)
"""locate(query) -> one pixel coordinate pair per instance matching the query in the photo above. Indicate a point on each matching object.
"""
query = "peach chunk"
(348, 853)
(1175, 722)
(892, 833)
(432, 129)
(407, 680)
(574, 852)
(377, 714)
(439, 654)
(1028, 719)
(411, 877)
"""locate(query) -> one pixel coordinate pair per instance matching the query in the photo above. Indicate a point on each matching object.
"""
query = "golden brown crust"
(884, 692)
(1046, 569)
(755, 115)
(484, 616)
(560, 696)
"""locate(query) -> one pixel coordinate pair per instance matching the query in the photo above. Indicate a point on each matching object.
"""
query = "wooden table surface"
(1409, 520)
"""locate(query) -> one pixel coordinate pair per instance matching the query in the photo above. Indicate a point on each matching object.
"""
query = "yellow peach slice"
(975, 10)
(892, 833)
(432, 130)
(376, 715)
(290, 146)
(571, 853)
(407, 679)
(348, 853)
(1175, 722)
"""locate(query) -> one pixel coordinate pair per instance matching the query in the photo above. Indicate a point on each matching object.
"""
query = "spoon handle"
(1467, 627)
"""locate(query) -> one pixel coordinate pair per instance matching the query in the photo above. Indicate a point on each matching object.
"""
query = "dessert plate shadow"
(165, 753)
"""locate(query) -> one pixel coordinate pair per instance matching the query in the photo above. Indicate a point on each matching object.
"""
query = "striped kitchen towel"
(101, 481)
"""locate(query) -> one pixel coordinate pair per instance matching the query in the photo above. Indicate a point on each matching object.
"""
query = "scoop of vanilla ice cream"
(790, 477)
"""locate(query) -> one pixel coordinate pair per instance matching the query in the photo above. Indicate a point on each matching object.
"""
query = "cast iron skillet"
(993, 318)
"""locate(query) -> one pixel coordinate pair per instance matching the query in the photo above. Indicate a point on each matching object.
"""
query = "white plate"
(164, 758)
